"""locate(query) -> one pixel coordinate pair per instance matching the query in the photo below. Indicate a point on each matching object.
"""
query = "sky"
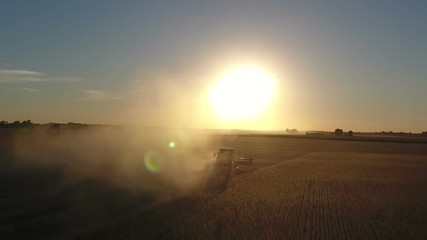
(359, 65)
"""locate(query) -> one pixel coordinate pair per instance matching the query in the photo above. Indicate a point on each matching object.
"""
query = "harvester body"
(225, 158)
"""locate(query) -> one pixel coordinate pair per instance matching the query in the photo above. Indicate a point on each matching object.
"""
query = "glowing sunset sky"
(358, 65)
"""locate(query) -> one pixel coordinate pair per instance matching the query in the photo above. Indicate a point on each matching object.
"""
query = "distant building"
(291, 131)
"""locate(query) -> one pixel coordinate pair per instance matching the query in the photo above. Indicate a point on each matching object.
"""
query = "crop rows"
(318, 196)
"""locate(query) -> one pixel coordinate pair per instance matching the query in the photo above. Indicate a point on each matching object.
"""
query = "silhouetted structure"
(350, 133)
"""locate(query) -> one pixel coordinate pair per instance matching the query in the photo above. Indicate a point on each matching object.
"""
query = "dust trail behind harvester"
(160, 162)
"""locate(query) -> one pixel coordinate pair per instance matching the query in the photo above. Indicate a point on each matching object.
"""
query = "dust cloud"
(140, 160)
(155, 159)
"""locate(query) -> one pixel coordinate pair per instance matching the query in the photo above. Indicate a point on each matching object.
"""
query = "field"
(297, 188)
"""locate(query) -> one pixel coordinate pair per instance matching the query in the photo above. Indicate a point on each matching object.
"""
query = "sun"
(242, 94)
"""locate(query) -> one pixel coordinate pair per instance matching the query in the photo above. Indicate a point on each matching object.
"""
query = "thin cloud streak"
(19, 72)
(32, 90)
(20, 76)
(27, 76)
(97, 96)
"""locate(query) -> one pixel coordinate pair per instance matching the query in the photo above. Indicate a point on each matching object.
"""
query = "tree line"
(29, 124)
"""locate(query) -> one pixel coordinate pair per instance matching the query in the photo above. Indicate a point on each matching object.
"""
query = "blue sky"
(358, 65)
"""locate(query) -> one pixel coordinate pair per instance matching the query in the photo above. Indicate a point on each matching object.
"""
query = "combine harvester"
(224, 165)
(225, 158)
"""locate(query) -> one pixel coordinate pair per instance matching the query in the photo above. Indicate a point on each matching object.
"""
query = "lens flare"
(153, 162)
(172, 144)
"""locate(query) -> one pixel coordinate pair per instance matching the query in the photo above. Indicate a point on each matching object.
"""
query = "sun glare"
(242, 94)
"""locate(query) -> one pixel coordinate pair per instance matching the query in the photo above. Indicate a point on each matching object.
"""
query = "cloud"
(20, 76)
(20, 72)
(96, 95)
(27, 76)
(31, 90)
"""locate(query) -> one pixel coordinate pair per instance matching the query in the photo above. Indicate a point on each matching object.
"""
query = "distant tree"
(338, 132)
(15, 124)
(350, 133)
(26, 123)
(54, 125)
(76, 125)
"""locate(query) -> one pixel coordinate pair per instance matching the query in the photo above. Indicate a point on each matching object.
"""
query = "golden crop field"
(322, 195)
(297, 188)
